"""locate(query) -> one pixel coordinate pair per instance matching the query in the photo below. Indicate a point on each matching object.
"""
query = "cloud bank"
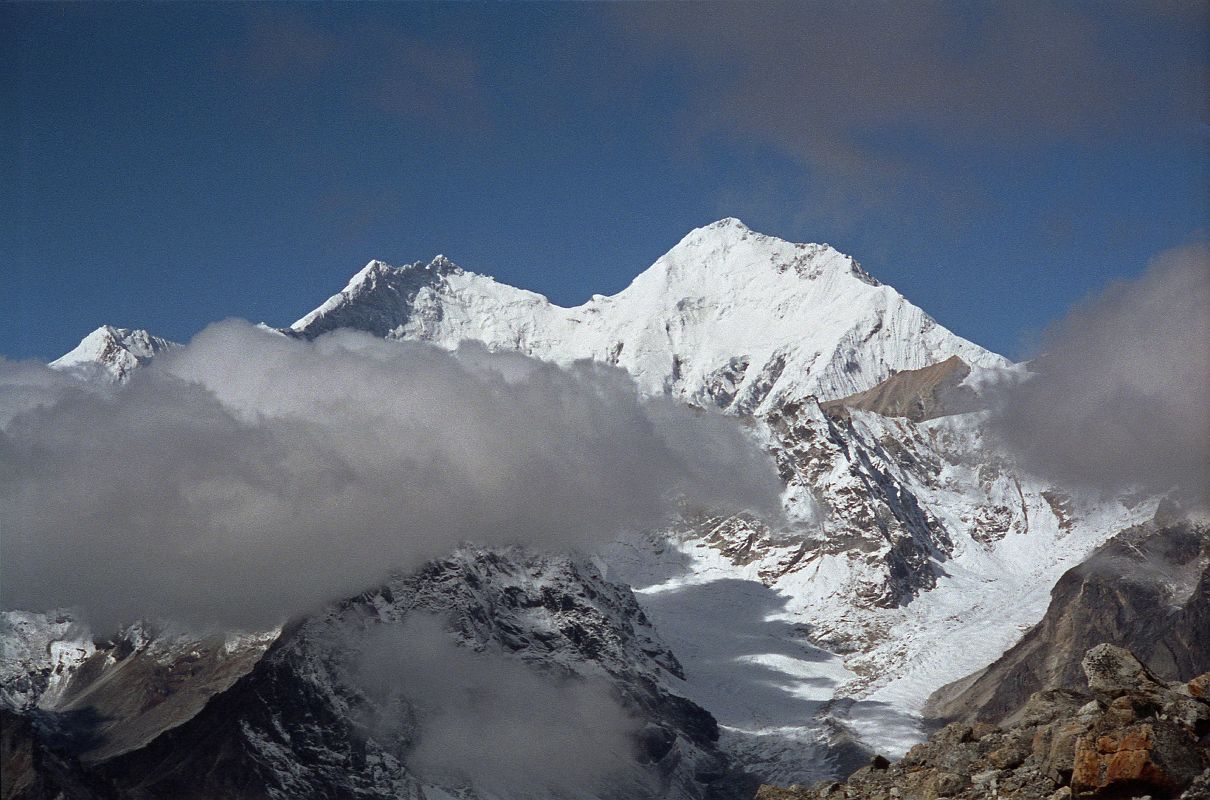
(492, 722)
(250, 476)
(1121, 397)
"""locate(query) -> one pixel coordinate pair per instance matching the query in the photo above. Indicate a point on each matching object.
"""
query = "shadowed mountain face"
(1147, 589)
(327, 710)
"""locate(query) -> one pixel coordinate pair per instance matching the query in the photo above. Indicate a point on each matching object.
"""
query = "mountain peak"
(734, 223)
(366, 274)
(116, 352)
(730, 252)
(378, 298)
(728, 317)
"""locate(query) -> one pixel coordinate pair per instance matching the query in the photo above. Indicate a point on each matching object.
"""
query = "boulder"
(1156, 757)
(1114, 672)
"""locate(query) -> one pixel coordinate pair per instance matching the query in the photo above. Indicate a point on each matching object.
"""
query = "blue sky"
(167, 165)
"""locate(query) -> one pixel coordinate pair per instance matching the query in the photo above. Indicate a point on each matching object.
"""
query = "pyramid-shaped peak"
(726, 228)
(729, 247)
(116, 351)
(369, 275)
(366, 273)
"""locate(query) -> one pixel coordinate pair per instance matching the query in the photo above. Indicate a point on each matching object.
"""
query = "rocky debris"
(1147, 589)
(1131, 736)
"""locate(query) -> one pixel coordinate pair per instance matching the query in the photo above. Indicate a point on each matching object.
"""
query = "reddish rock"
(1152, 756)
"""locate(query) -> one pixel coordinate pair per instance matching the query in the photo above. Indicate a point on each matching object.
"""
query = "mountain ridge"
(903, 535)
(728, 317)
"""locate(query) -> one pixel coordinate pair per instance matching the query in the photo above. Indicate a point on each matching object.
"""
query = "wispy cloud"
(250, 476)
(1120, 398)
(870, 96)
(490, 721)
(376, 64)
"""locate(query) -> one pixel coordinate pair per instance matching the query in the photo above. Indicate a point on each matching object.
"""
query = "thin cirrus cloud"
(250, 476)
(382, 67)
(875, 93)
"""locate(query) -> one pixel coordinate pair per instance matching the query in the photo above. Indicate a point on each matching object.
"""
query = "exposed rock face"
(1147, 589)
(918, 394)
(1135, 736)
(29, 770)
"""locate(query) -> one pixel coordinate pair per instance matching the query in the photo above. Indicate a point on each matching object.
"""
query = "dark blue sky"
(167, 165)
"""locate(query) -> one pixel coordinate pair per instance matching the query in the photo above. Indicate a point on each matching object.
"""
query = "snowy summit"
(728, 317)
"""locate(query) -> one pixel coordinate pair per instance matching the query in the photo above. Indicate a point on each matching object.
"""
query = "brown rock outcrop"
(1154, 757)
(918, 394)
(1133, 736)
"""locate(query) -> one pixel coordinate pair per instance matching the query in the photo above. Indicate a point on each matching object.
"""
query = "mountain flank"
(1147, 589)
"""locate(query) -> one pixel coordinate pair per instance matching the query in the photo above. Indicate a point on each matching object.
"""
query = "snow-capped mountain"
(113, 352)
(912, 551)
(904, 537)
(729, 317)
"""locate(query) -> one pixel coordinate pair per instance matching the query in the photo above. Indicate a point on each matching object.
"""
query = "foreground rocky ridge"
(1127, 734)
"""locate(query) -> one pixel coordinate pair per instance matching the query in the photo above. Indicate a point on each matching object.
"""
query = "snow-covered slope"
(729, 317)
(112, 353)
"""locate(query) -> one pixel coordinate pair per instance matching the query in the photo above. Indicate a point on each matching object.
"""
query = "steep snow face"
(112, 353)
(729, 317)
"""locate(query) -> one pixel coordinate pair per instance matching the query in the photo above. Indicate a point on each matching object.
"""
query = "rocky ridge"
(301, 720)
(1128, 734)
(917, 394)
